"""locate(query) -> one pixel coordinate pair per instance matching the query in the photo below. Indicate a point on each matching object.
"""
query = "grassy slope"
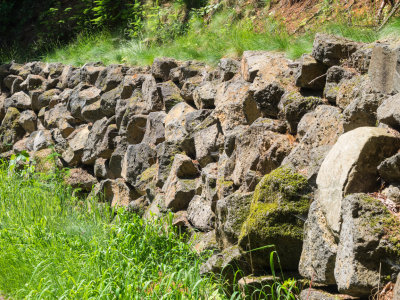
(51, 247)
(207, 43)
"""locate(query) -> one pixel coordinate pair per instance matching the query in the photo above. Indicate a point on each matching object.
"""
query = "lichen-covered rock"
(136, 160)
(115, 192)
(369, 245)
(330, 49)
(175, 130)
(351, 167)
(108, 102)
(320, 294)
(81, 97)
(170, 94)
(146, 181)
(267, 96)
(294, 106)
(200, 214)
(166, 152)
(317, 261)
(231, 211)
(203, 241)
(110, 77)
(151, 95)
(334, 76)
(11, 130)
(101, 169)
(43, 99)
(311, 74)
(317, 132)
(180, 186)
(278, 201)
(133, 128)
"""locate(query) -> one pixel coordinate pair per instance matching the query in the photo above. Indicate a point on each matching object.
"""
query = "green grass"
(53, 248)
(56, 245)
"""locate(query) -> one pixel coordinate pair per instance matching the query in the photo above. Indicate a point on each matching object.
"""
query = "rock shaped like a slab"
(383, 70)
(311, 74)
(317, 261)
(351, 167)
(369, 245)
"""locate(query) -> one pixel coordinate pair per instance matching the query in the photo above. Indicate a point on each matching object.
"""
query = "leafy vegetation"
(55, 244)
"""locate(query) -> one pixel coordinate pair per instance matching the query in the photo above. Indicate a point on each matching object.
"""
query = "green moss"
(277, 199)
(149, 173)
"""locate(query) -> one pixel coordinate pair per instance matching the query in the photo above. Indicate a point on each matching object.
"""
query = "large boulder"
(231, 211)
(317, 132)
(279, 201)
(369, 245)
(351, 167)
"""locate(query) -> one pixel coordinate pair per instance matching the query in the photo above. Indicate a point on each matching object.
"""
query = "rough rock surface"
(351, 167)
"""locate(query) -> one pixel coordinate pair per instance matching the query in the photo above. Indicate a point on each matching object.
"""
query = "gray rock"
(82, 97)
(311, 74)
(200, 214)
(92, 112)
(330, 49)
(133, 128)
(18, 100)
(110, 77)
(317, 260)
(43, 140)
(166, 152)
(392, 192)
(258, 151)
(116, 160)
(151, 95)
(228, 68)
(161, 67)
(100, 142)
(108, 102)
(188, 88)
(90, 72)
(234, 105)
(207, 141)
(101, 169)
(396, 290)
(383, 71)
(136, 160)
(351, 167)
(43, 99)
(180, 186)
(294, 106)
(267, 96)
(33, 82)
(11, 130)
(115, 192)
(204, 95)
(318, 294)
(175, 130)
(170, 94)
(209, 175)
(317, 131)
(155, 130)
(389, 111)
(368, 245)
(361, 58)
(28, 120)
(389, 169)
(231, 213)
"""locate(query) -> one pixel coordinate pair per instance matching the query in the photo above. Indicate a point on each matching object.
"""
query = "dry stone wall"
(238, 152)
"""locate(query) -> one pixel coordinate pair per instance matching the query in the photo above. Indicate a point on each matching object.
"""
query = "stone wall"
(238, 152)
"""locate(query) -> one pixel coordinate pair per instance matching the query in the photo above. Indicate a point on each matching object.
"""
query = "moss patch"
(277, 201)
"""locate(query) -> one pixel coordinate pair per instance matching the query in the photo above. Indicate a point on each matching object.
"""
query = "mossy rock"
(279, 200)
(10, 130)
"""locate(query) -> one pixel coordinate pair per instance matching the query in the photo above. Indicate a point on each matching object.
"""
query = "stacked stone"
(238, 152)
